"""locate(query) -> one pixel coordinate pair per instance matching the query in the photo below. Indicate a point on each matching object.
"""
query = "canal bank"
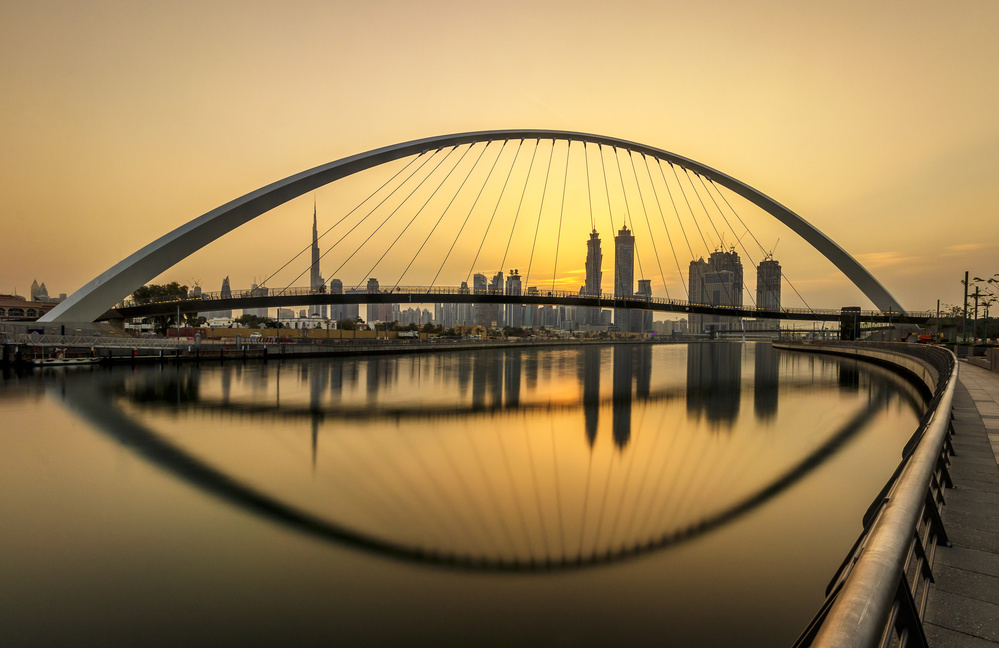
(125, 350)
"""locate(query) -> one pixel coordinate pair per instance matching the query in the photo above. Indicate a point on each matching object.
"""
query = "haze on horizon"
(123, 121)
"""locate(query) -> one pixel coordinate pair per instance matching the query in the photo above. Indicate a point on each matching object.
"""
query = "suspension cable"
(561, 213)
(445, 210)
(603, 170)
(470, 210)
(392, 213)
(370, 196)
(721, 244)
(662, 217)
(541, 209)
(589, 192)
(783, 276)
(627, 215)
(513, 227)
(420, 210)
(652, 237)
(721, 241)
(738, 239)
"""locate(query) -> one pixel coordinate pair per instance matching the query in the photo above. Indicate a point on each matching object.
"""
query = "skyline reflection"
(401, 449)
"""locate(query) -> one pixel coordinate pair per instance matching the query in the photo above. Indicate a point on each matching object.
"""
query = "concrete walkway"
(963, 607)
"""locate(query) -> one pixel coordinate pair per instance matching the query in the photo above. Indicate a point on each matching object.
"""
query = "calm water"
(623, 494)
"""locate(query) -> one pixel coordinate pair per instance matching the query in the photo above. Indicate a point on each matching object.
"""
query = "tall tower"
(514, 312)
(316, 282)
(496, 311)
(696, 293)
(716, 282)
(624, 275)
(643, 319)
(768, 287)
(594, 276)
(225, 293)
(480, 311)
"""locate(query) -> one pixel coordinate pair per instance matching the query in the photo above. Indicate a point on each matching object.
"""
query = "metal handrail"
(878, 596)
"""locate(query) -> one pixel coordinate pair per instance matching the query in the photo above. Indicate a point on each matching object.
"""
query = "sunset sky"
(876, 122)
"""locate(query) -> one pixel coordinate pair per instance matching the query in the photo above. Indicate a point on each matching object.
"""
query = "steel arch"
(95, 298)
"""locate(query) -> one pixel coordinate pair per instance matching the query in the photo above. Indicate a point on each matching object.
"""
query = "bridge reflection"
(468, 459)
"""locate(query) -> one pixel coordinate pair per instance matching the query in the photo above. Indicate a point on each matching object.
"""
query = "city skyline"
(887, 147)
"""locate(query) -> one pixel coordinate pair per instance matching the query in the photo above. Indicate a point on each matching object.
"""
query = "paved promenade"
(963, 608)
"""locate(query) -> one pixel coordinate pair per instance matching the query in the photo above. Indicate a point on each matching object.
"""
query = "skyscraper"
(624, 275)
(696, 295)
(341, 312)
(514, 312)
(316, 282)
(531, 311)
(644, 318)
(257, 291)
(479, 287)
(717, 282)
(495, 316)
(225, 293)
(378, 312)
(594, 276)
(768, 275)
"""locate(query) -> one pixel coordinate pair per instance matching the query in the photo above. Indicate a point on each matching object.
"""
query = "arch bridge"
(636, 180)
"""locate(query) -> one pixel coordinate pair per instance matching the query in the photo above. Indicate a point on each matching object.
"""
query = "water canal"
(695, 495)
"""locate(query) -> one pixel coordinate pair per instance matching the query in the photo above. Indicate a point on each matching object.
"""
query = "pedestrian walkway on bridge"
(963, 607)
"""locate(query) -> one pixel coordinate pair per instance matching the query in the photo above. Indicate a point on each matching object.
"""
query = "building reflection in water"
(714, 381)
(849, 377)
(472, 479)
(623, 374)
(766, 382)
(511, 372)
(589, 375)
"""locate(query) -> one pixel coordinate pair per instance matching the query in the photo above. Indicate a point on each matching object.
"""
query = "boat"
(60, 359)
(64, 362)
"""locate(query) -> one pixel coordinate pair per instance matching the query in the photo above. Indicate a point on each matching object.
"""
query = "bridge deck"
(242, 299)
(963, 608)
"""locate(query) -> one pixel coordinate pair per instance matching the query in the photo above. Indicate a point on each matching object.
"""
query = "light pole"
(974, 326)
(964, 328)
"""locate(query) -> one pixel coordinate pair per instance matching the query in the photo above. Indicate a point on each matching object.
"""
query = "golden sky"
(120, 121)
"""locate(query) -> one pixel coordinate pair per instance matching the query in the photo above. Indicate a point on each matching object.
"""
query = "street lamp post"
(974, 326)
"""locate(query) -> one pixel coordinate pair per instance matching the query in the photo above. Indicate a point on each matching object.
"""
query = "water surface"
(632, 494)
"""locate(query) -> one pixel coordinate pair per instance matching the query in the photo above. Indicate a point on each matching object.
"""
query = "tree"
(159, 293)
(255, 321)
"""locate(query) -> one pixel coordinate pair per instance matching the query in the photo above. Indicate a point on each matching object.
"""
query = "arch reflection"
(481, 472)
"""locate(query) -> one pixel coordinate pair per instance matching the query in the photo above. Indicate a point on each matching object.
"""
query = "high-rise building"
(341, 312)
(495, 317)
(768, 275)
(450, 315)
(479, 287)
(378, 312)
(316, 283)
(39, 293)
(594, 277)
(224, 293)
(531, 310)
(514, 312)
(644, 318)
(716, 282)
(257, 291)
(624, 275)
